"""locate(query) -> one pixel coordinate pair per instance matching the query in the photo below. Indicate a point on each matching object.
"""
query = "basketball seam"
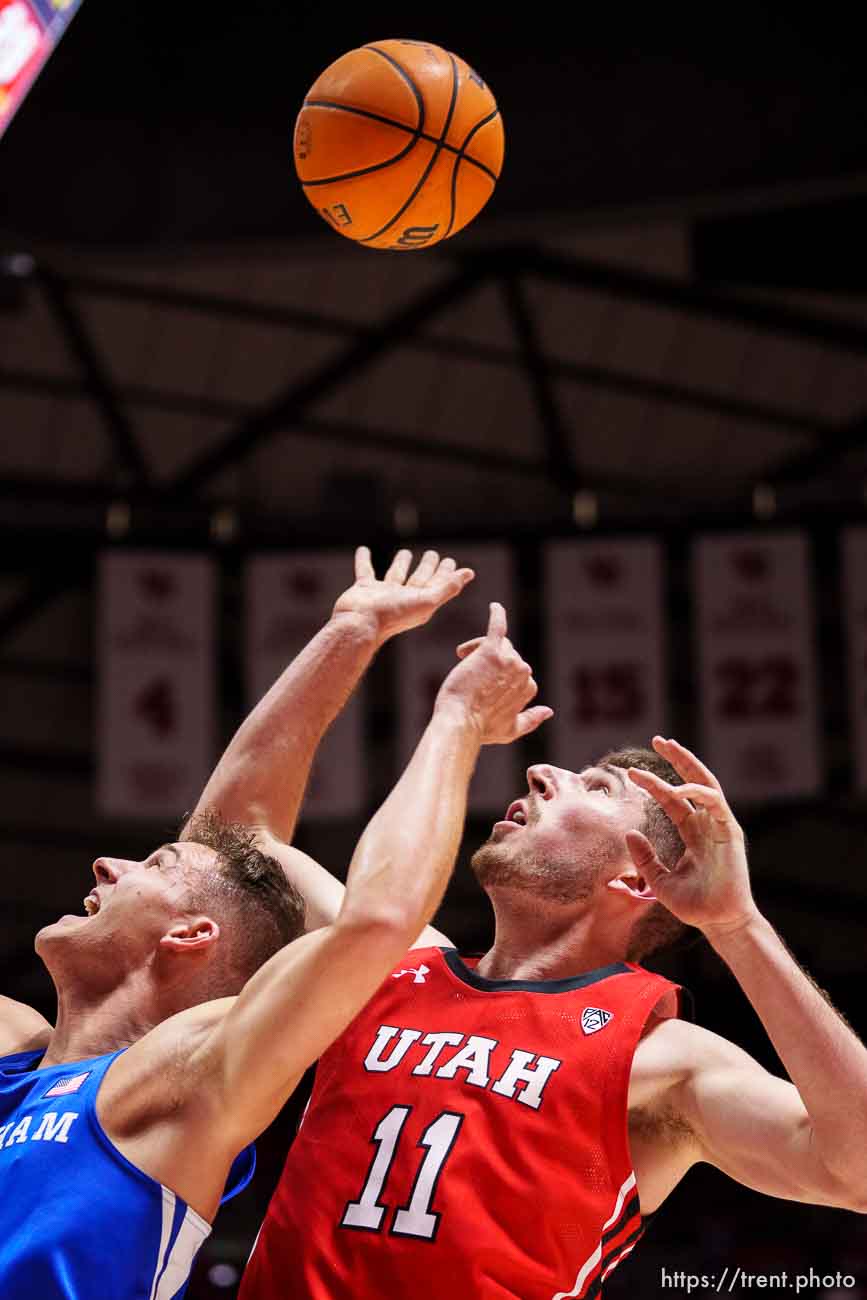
(437, 151)
(462, 157)
(400, 126)
(363, 171)
(419, 97)
(419, 127)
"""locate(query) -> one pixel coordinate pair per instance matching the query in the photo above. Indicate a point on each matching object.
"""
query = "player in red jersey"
(497, 1128)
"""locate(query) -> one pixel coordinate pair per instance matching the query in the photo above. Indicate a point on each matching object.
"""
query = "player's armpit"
(21, 1028)
(747, 1122)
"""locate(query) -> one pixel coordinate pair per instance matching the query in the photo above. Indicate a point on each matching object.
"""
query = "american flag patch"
(71, 1083)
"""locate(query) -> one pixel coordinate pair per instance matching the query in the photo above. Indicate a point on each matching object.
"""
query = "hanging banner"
(606, 647)
(426, 655)
(157, 723)
(854, 548)
(288, 598)
(757, 669)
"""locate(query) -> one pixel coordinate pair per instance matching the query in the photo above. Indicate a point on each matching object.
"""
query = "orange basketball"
(398, 144)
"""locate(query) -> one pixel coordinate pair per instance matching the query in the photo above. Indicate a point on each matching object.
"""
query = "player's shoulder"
(670, 1049)
(431, 938)
(22, 1029)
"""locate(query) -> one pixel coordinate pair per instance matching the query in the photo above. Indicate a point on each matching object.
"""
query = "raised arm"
(295, 1006)
(805, 1140)
(261, 778)
(720, 1106)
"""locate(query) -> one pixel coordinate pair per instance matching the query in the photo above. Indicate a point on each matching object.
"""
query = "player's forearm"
(262, 776)
(824, 1058)
(403, 860)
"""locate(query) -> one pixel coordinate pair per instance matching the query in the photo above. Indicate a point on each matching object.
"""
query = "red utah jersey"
(465, 1138)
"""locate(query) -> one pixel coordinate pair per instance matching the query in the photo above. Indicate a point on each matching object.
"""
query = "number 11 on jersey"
(416, 1218)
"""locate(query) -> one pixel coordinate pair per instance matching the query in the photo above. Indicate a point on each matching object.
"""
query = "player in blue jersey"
(124, 1126)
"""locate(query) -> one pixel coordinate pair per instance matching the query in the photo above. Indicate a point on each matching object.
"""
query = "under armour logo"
(418, 973)
(594, 1018)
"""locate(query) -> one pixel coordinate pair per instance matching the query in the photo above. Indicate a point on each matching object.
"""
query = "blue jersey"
(78, 1221)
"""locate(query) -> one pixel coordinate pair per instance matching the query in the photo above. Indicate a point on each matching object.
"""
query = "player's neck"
(89, 1026)
(538, 943)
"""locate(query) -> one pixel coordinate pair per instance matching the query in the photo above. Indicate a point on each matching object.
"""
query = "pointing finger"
(497, 625)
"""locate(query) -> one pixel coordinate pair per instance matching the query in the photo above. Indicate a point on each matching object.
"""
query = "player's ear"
(195, 935)
(632, 883)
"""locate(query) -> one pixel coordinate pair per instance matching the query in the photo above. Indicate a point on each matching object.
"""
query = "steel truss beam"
(686, 297)
(560, 457)
(821, 460)
(98, 384)
(293, 401)
(254, 428)
(403, 328)
(607, 378)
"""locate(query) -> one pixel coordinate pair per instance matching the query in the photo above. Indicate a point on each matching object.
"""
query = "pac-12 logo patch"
(594, 1018)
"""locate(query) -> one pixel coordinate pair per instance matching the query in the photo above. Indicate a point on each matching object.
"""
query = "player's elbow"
(846, 1189)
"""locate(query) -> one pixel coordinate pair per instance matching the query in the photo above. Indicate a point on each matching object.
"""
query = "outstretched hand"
(494, 684)
(401, 600)
(709, 886)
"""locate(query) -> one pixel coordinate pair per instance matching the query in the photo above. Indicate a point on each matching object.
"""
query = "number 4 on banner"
(156, 706)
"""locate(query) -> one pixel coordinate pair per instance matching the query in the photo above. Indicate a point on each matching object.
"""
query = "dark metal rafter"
(130, 457)
(691, 298)
(297, 397)
(605, 378)
(560, 457)
(609, 378)
(821, 460)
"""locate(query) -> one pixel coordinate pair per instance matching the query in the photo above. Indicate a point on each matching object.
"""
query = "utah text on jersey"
(523, 1076)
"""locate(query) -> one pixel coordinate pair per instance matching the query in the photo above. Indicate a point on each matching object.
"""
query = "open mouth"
(517, 813)
(91, 903)
(515, 818)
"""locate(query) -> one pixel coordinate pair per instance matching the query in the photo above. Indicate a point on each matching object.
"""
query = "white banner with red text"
(759, 708)
(156, 710)
(288, 598)
(605, 632)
